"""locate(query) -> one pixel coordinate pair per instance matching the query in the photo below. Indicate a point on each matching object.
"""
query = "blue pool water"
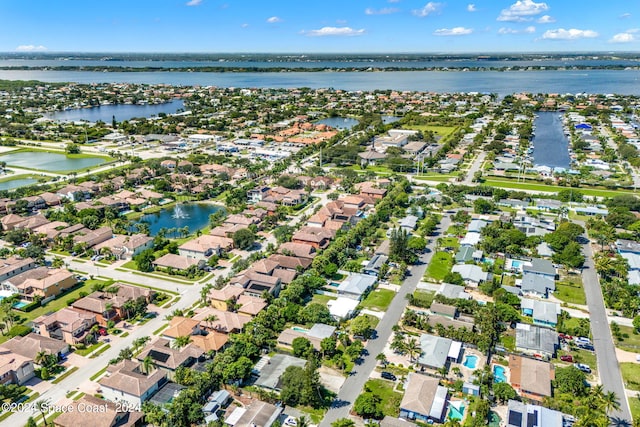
(470, 361)
(456, 413)
(20, 304)
(334, 284)
(299, 329)
(499, 374)
(515, 263)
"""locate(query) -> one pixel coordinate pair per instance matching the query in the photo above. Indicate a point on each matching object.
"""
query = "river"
(624, 82)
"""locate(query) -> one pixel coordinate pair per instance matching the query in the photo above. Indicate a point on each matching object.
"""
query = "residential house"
(424, 399)
(14, 265)
(317, 237)
(221, 298)
(531, 378)
(175, 262)
(409, 223)
(30, 345)
(548, 204)
(167, 358)
(204, 246)
(445, 310)
(113, 306)
(356, 285)
(257, 414)
(342, 308)
(93, 237)
(67, 324)
(471, 274)
(520, 414)
(15, 368)
(125, 247)
(226, 321)
(41, 282)
(298, 250)
(128, 382)
(315, 335)
(450, 291)
(466, 254)
(375, 264)
(536, 341)
(537, 285)
(255, 283)
(544, 313)
(437, 352)
(105, 414)
(269, 370)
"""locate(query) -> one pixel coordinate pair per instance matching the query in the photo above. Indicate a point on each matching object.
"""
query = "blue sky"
(351, 26)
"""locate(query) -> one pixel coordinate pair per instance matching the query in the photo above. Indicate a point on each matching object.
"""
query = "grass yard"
(634, 405)
(390, 399)
(378, 300)
(423, 298)
(440, 266)
(571, 293)
(439, 178)
(322, 299)
(442, 131)
(507, 183)
(630, 341)
(449, 242)
(90, 349)
(631, 375)
(508, 342)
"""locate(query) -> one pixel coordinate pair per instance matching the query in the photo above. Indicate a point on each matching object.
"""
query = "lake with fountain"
(192, 215)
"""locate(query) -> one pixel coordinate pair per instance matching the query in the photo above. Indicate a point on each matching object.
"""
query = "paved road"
(608, 366)
(475, 167)
(355, 382)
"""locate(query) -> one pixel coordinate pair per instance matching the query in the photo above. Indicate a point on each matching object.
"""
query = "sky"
(321, 26)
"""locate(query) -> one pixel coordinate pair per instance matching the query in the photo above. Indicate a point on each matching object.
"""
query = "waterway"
(16, 183)
(625, 82)
(46, 161)
(551, 146)
(192, 215)
(121, 112)
(339, 122)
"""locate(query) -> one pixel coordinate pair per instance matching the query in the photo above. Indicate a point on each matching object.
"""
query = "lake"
(551, 146)
(192, 215)
(17, 183)
(121, 112)
(340, 123)
(625, 82)
(52, 162)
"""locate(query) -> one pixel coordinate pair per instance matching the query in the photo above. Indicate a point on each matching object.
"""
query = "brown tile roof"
(226, 293)
(420, 393)
(180, 327)
(127, 377)
(286, 276)
(532, 375)
(30, 345)
(175, 261)
(213, 341)
(109, 416)
(299, 250)
(227, 321)
(165, 356)
(250, 305)
(290, 262)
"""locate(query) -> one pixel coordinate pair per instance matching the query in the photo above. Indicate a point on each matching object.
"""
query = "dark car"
(388, 376)
(567, 358)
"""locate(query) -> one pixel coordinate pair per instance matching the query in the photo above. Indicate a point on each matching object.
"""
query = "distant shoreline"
(346, 69)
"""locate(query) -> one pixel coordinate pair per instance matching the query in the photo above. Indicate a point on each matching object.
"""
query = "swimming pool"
(470, 361)
(499, 374)
(334, 284)
(516, 263)
(456, 410)
(20, 304)
(299, 329)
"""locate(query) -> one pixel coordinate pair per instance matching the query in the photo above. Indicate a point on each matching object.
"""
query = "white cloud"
(194, 2)
(546, 19)
(529, 30)
(383, 11)
(471, 7)
(334, 31)
(571, 34)
(245, 25)
(522, 10)
(30, 48)
(274, 20)
(456, 31)
(625, 15)
(427, 10)
(623, 38)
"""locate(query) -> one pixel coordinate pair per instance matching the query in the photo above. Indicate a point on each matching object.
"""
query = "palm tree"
(452, 423)
(43, 407)
(382, 358)
(211, 319)
(412, 347)
(182, 341)
(302, 421)
(147, 365)
(610, 401)
(41, 358)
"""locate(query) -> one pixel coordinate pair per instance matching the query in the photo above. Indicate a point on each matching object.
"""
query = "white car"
(291, 421)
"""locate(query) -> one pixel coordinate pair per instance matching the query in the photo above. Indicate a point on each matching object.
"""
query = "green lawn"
(449, 242)
(634, 405)
(442, 131)
(90, 349)
(571, 293)
(508, 342)
(378, 300)
(507, 183)
(322, 299)
(630, 341)
(423, 298)
(64, 375)
(440, 266)
(390, 399)
(631, 375)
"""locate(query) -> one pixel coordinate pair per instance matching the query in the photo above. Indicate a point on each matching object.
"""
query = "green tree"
(144, 260)
(368, 405)
(343, 422)
(571, 380)
(244, 238)
(72, 148)
(301, 347)
(504, 392)
(482, 206)
(361, 326)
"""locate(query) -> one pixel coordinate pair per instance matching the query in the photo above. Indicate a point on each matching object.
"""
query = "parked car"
(567, 358)
(584, 368)
(291, 421)
(586, 346)
(388, 376)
